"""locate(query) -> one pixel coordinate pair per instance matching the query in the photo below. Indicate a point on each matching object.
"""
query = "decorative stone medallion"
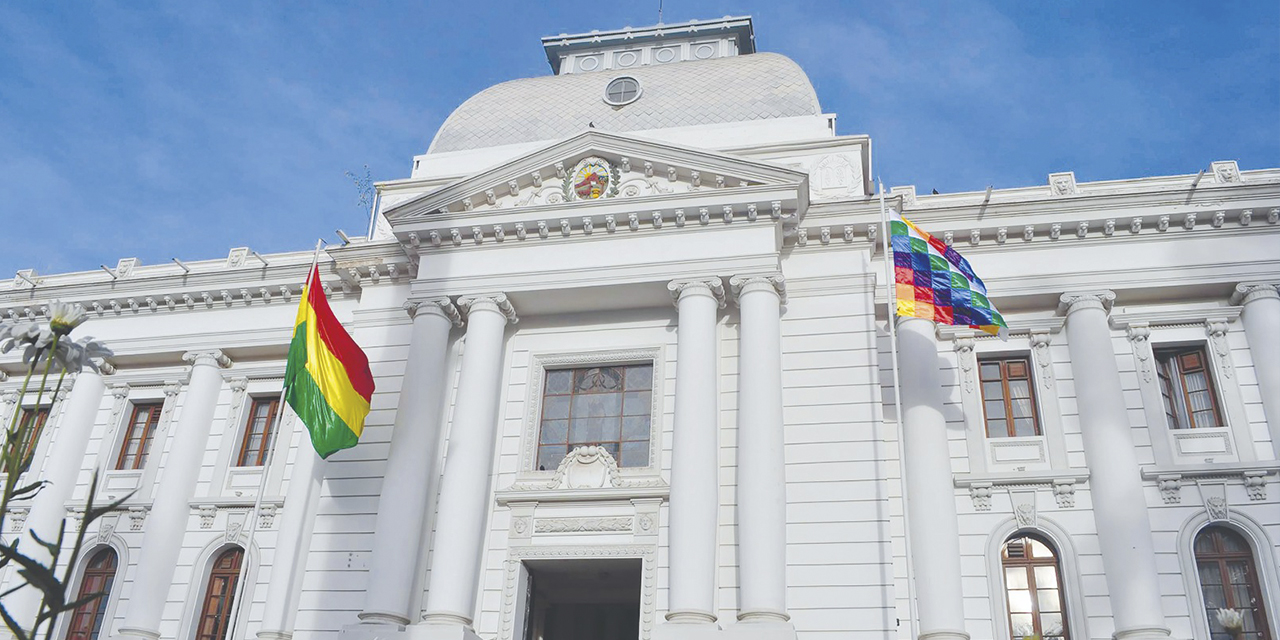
(591, 179)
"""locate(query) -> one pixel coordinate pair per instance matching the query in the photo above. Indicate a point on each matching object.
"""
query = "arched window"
(1229, 580)
(1033, 589)
(219, 595)
(99, 575)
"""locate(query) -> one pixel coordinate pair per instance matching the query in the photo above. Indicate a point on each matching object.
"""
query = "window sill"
(1253, 475)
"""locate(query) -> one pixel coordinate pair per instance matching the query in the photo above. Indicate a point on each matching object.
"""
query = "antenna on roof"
(659, 11)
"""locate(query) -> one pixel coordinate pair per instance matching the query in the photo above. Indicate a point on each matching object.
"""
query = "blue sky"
(184, 129)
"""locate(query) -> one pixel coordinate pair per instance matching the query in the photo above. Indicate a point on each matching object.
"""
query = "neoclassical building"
(635, 380)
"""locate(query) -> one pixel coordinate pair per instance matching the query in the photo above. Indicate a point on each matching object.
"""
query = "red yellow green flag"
(327, 379)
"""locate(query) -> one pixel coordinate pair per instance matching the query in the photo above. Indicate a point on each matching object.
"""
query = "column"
(412, 463)
(49, 509)
(1261, 318)
(762, 498)
(468, 468)
(934, 529)
(695, 467)
(289, 561)
(166, 525)
(1119, 506)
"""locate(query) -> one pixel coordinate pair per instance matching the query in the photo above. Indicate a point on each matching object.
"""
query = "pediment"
(595, 167)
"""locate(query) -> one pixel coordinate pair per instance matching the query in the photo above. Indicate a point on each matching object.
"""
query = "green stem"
(11, 445)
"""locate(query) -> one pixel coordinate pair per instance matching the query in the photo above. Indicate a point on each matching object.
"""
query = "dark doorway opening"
(590, 599)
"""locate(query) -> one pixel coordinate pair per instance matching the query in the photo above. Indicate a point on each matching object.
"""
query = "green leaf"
(13, 625)
(53, 547)
(38, 575)
(93, 513)
(32, 489)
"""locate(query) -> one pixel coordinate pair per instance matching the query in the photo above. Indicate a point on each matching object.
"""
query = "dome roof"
(731, 89)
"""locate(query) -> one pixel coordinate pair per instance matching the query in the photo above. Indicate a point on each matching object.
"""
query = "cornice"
(1186, 317)
(1019, 478)
(1217, 469)
(1017, 326)
(619, 494)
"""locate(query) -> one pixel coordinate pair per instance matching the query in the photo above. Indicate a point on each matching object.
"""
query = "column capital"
(208, 357)
(441, 306)
(10, 397)
(745, 283)
(1247, 292)
(172, 388)
(1073, 301)
(498, 301)
(711, 287)
(120, 391)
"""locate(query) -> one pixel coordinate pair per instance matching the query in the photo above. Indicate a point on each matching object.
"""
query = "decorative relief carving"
(1024, 508)
(1063, 184)
(236, 519)
(267, 516)
(1139, 335)
(137, 516)
(1226, 171)
(835, 175)
(207, 514)
(107, 526)
(520, 525)
(1170, 488)
(981, 496)
(18, 518)
(709, 286)
(171, 390)
(1064, 492)
(1217, 507)
(580, 525)
(1216, 328)
(1040, 347)
(967, 361)
(1255, 484)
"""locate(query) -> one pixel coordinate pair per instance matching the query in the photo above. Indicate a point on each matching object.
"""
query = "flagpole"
(891, 302)
(237, 606)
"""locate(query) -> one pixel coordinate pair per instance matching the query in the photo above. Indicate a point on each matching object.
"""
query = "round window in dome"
(622, 91)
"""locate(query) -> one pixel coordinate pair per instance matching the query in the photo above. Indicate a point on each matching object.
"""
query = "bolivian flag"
(328, 379)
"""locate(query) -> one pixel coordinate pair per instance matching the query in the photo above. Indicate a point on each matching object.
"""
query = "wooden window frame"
(1010, 428)
(32, 438)
(1029, 564)
(101, 580)
(257, 458)
(220, 594)
(147, 436)
(1220, 557)
(1173, 382)
(573, 392)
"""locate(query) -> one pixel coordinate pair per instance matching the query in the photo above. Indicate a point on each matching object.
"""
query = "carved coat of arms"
(591, 179)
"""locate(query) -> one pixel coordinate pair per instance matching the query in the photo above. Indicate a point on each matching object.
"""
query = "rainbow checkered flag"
(933, 281)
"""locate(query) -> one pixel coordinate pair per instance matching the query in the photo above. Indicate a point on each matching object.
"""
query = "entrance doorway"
(589, 599)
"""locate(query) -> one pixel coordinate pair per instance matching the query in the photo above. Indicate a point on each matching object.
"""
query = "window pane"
(1231, 541)
(1021, 407)
(1047, 599)
(995, 409)
(1019, 389)
(585, 429)
(554, 431)
(992, 391)
(550, 455)
(1039, 549)
(1051, 624)
(1015, 578)
(1022, 626)
(990, 370)
(635, 428)
(559, 382)
(1046, 577)
(1016, 369)
(598, 380)
(636, 404)
(1019, 601)
(634, 454)
(556, 407)
(1024, 427)
(597, 404)
(1195, 382)
(639, 378)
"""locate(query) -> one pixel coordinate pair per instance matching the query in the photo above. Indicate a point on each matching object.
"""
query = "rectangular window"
(31, 424)
(606, 406)
(139, 433)
(1187, 388)
(259, 432)
(1008, 397)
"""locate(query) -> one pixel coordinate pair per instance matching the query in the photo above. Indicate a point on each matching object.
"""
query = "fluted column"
(468, 467)
(49, 509)
(412, 462)
(762, 498)
(1261, 318)
(694, 461)
(931, 513)
(1119, 506)
(166, 525)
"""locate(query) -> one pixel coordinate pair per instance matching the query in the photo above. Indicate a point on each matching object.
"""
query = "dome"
(732, 89)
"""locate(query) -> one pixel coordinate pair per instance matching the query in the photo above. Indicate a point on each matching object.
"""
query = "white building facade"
(635, 379)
